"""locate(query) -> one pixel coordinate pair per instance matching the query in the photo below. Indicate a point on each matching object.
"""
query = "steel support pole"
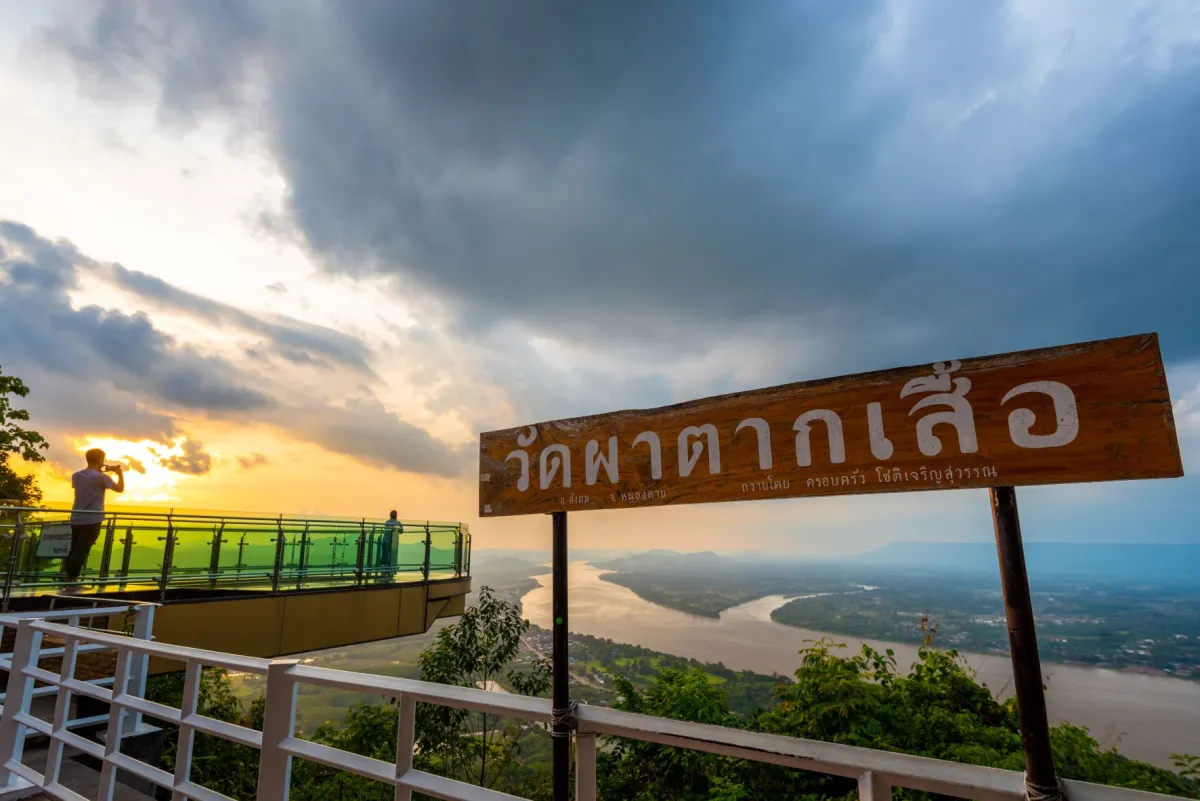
(361, 558)
(110, 532)
(1041, 783)
(13, 555)
(168, 557)
(561, 691)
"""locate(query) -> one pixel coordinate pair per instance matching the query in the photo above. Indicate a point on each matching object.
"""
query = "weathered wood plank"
(1095, 411)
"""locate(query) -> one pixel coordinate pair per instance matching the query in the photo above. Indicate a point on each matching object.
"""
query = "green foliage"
(19, 441)
(936, 710)
(368, 730)
(227, 767)
(597, 661)
(477, 652)
(24, 442)
(16, 489)
(636, 770)
(1189, 766)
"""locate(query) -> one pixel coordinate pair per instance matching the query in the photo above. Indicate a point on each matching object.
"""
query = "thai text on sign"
(1096, 411)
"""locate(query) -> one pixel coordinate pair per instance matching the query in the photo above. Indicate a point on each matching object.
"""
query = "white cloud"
(1185, 381)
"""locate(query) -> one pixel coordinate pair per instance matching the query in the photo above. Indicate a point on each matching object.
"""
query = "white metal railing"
(142, 625)
(877, 772)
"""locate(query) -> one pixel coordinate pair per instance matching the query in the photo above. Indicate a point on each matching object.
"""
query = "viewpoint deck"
(254, 585)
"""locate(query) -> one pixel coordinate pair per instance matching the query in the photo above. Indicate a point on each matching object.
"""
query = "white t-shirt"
(90, 486)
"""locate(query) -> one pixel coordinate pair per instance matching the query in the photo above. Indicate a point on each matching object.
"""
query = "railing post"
(428, 546)
(241, 552)
(16, 702)
(62, 710)
(126, 554)
(168, 556)
(115, 732)
(585, 765)
(302, 564)
(214, 558)
(276, 576)
(458, 551)
(106, 557)
(279, 723)
(18, 535)
(143, 628)
(872, 787)
(362, 553)
(405, 743)
(188, 706)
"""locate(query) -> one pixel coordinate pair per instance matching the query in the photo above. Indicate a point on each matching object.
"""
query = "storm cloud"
(296, 341)
(908, 180)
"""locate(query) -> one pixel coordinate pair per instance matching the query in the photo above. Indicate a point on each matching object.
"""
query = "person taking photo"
(87, 511)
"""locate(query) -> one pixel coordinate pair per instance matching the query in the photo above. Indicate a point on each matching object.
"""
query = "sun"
(147, 479)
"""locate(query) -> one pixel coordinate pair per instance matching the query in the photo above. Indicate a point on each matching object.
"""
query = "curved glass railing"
(139, 549)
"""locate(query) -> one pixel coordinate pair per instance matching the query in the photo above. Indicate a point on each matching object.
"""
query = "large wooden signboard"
(1097, 411)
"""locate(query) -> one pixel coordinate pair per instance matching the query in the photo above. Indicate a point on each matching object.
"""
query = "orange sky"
(298, 477)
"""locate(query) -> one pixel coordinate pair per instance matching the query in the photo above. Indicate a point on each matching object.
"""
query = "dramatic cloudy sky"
(295, 256)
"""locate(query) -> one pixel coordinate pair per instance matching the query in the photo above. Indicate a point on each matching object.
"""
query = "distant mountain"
(1150, 562)
(666, 561)
(539, 556)
(490, 555)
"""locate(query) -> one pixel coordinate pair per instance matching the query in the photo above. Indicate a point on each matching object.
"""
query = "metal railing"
(138, 619)
(877, 772)
(139, 550)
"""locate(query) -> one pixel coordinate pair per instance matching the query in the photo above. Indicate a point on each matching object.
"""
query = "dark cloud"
(294, 340)
(252, 461)
(628, 172)
(65, 403)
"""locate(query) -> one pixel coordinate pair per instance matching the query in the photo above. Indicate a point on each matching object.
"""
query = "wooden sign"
(1097, 411)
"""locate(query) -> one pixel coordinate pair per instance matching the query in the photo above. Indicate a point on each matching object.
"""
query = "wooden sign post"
(1096, 411)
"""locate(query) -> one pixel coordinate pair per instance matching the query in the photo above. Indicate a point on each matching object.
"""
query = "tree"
(20, 441)
(639, 771)
(368, 730)
(478, 651)
(225, 766)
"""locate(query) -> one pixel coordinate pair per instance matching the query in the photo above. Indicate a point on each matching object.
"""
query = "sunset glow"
(148, 478)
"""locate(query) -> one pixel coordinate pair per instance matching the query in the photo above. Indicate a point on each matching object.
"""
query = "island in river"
(1148, 717)
(1141, 623)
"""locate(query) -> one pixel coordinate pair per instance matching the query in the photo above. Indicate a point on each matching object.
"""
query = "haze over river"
(1146, 717)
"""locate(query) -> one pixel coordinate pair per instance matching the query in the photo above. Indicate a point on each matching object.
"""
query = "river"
(1146, 717)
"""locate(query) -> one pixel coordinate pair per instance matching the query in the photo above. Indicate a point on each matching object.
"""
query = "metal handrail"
(237, 517)
(185, 546)
(877, 772)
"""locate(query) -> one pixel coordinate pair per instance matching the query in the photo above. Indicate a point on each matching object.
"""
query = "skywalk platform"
(253, 585)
